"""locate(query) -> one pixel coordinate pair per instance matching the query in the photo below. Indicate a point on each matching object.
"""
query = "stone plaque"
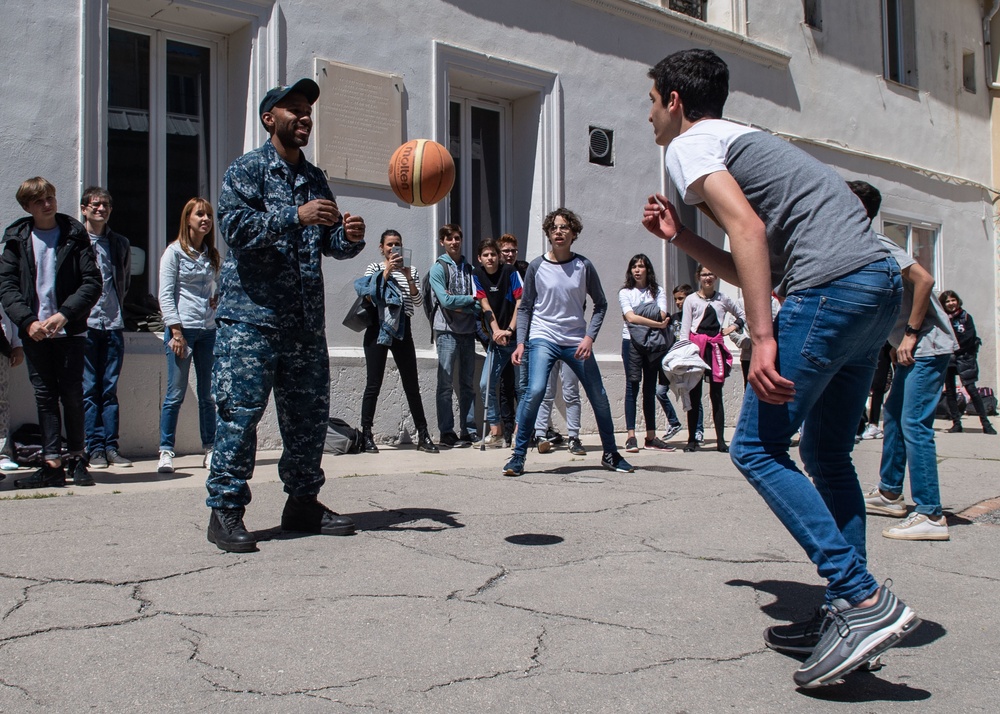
(358, 122)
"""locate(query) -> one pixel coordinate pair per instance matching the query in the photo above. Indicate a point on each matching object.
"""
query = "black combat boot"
(226, 530)
(425, 443)
(305, 514)
(368, 441)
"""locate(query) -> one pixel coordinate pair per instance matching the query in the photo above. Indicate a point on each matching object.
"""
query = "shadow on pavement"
(792, 601)
(866, 687)
(396, 520)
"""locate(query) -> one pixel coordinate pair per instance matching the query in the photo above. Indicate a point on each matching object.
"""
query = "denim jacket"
(186, 288)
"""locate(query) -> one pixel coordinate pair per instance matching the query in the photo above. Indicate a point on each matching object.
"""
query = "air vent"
(602, 146)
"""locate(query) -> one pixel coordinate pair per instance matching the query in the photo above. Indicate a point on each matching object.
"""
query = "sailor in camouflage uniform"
(279, 218)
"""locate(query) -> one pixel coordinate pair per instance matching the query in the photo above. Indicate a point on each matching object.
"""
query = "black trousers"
(55, 368)
(951, 399)
(718, 410)
(405, 355)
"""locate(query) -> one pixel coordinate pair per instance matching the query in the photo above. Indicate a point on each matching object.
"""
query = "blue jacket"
(273, 273)
(387, 298)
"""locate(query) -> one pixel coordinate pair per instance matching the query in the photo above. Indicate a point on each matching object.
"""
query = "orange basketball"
(421, 172)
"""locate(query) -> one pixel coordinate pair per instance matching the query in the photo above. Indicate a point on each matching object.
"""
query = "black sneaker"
(576, 447)
(226, 530)
(45, 477)
(514, 467)
(797, 637)
(98, 459)
(631, 445)
(449, 439)
(79, 473)
(467, 440)
(306, 514)
(853, 636)
(613, 461)
(988, 429)
(655, 444)
(956, 428)
(554, 437)
(691, 446)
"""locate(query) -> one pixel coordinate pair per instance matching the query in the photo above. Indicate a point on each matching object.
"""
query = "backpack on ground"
(26, 445)
(989, 402)
(342, 438)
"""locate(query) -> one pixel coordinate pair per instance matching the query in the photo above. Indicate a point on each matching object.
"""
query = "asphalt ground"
(570, 589)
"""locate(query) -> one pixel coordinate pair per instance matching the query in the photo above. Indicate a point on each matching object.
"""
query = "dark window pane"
(187, 127)
(693, 8)
(486, 174)
(455, 148)
(128, 144)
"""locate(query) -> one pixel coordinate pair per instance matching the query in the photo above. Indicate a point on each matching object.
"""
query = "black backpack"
(342, 438)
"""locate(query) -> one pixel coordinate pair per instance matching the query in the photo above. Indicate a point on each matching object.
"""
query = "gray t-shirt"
(936, 335)
(816, 228)
(44, 243)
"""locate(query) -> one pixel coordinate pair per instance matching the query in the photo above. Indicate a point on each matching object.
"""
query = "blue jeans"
(102, 364)
(908, 426)
(571, 399)
(452, 347)
(828, 339)
(202, 344)
(497, 358)
(662, 396)
(542, 354)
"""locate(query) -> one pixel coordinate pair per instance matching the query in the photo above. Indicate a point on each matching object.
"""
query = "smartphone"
(396, 250)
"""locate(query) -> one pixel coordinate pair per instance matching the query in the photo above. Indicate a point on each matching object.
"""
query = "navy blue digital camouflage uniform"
(272, 329)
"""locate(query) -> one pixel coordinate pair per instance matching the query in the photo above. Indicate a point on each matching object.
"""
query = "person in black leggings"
(964, 364)
(403, 351)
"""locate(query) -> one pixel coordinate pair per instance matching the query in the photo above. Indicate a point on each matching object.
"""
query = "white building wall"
(823, 86)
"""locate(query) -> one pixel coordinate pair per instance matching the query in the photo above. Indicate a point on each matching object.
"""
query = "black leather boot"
(425, 443)
(987, 427)
(368, 440)
(956, 428)
(226, 530)
(305, 514)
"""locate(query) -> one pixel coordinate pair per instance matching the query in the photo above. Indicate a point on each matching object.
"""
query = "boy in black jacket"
(49, 281)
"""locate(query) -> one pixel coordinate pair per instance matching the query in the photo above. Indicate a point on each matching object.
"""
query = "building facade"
(541, 104)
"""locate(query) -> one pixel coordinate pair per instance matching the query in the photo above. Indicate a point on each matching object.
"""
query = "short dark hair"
(486, 244)
(700, 78)
(449, 229)
(575, 224)
(683, 288)
(945, 294)
(93, 192)
(870, 196)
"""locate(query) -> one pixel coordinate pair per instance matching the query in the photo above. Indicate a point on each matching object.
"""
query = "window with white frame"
(919, 239)
(900, 41)
(477, 138)
(162, 136)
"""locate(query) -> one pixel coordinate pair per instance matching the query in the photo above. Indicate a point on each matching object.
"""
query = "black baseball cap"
(305, 86)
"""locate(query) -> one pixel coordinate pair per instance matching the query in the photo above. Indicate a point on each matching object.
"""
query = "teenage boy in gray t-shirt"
(794, 227)
(552, 326)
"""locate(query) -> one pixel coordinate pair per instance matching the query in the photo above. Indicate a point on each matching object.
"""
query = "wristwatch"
(911, 330)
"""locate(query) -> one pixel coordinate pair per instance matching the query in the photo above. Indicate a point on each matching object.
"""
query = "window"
(682, 267)
(161, 138)
(812, 14)
(899, 41)
(969, 71)
(476, 137)
(919, 239)
(692, 8)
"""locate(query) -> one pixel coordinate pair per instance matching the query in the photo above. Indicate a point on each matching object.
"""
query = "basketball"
(421, 172)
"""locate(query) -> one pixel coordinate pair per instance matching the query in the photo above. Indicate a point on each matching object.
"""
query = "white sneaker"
(166, 465)
(699, 436)
(871, 432)
(878, 504)
(492, 441)
(7, 465)
(918, 526)
(206, 463)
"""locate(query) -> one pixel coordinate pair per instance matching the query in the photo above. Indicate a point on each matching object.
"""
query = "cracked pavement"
(570, 589)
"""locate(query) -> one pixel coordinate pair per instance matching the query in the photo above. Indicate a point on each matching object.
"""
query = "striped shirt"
(409, 301)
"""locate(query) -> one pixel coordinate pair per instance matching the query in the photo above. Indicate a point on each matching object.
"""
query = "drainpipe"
(987, 50)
